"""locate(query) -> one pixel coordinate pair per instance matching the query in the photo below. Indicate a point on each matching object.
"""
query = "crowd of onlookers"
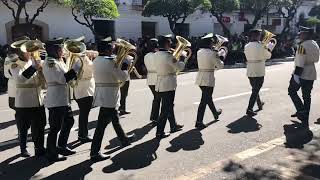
(285, 47)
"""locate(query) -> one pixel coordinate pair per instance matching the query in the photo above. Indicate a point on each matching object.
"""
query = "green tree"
(219, 7)
(176, 11)
(84, 11)
(19, 7)
(288, 11)
(258, 8)
(313, 21)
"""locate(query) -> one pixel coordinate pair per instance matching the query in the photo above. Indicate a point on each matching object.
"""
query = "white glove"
(296, 78)
(76, 67)
(184, 54)
(222, 53)
(270, 45)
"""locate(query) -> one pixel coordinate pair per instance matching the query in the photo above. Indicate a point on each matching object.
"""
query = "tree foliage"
(219, 7)
(288, 10)
(84, 11)
(19, 7)
(176, 11)
(313, 21)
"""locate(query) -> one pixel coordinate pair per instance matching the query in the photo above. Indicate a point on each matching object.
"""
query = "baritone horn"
(125, 50)
(76, 50)
(35, 47)
(183, 46)
(267, 38)
(219, 45)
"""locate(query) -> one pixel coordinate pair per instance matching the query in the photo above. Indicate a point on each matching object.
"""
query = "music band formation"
(50, 75)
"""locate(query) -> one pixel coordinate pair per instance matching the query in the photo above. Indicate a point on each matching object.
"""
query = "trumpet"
(76, 49)
(182, 47)
(35, 47)
(125, 49)
(220, 41)
(267, 38)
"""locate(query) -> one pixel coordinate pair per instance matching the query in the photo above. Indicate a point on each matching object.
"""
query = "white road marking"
(246, 154)
(234, 96)
(6, 143)
(274, 69)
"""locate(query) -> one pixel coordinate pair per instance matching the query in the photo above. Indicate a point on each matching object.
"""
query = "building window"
(148, 29)
(104, 28)
(182, 29)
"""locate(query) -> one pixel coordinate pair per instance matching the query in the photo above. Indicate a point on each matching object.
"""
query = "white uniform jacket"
(8, 74)
(306, 56)
(166, 71)
(28, 91)
(58, 92)
(208, 62)
(86, 84)
(108, 79)
(149, 61)
(256, 55)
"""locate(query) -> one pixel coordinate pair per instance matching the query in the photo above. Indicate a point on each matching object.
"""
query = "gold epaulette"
(301, 50)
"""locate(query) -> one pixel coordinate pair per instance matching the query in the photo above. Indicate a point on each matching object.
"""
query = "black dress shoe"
(85, 139)
(99, 157)
(200, 126)
(177, 128)
(127, 140)
(217, 114)
(40, 152)
(121, 112)
(65, 151)
(25, 153)
(162, 135)
(56, 158)
(251, 113)
(260, 107)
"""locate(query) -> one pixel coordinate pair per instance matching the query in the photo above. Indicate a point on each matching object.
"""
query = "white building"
(57, 21)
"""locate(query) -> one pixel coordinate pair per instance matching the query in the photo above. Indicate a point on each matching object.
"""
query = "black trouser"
(36, 117)
(206, 99)
(124, 93)
(11, 101)
(106, 115)
(306, 88)
(167, 112)
(256, 84)
(155, 104)
(60, 118)
(85, 105)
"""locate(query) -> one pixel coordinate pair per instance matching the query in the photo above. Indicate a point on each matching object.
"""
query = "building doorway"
(182, 29)
(148, 29)
(31, 30)
(104, 28)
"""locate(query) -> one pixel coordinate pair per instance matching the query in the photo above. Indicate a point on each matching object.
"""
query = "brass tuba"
(76, 49)
(220, 41)
(267, 38)
(182, 46)
(35, 47)
(125, 49)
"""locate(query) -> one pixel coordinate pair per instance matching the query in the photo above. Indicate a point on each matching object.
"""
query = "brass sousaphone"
(126, 49)
(76, 50)
(34, 47)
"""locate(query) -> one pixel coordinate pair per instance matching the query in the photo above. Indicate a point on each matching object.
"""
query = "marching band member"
(208, 62)
(29, 101)
(107, 78)
(83, 94)
(256, 54)
(13, 58)
(166, 85)
(304, 74)
(58, 100)
(149, 62)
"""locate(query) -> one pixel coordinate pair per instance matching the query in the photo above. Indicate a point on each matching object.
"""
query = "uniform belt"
(152, 72)
(55, 84)
(107, 84)
(26, 86)
(206, 70)
(255, 61)
(86, 79)
(170, 74)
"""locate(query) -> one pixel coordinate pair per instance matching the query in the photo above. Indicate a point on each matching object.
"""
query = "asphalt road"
(233, 147)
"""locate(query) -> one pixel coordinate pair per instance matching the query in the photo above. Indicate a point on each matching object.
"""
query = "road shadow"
(24, 169)
(239, 172)
(296, 135)
(140, 133)
(7, 124)
(188, 141)
(137, 157)
(76, 172)
(244, 124)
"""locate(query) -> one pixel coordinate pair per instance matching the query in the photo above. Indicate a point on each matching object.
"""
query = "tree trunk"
(226, 31)
(172, 25)
(18, 13)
